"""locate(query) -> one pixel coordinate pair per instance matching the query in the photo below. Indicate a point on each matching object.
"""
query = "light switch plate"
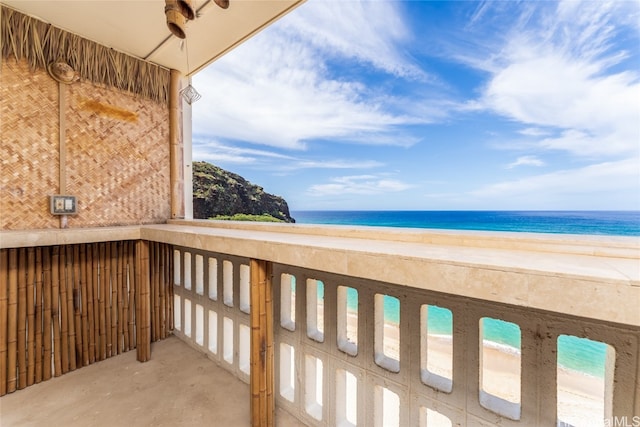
(63, 205)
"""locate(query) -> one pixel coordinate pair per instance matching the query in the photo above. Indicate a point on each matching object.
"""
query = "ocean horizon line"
(580, 222)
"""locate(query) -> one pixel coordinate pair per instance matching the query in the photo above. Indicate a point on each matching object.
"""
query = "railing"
(356, 351)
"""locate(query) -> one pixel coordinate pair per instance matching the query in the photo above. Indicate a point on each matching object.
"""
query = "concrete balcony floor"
(178, 387)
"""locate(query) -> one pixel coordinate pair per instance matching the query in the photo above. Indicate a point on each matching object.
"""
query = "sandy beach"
(579, 395)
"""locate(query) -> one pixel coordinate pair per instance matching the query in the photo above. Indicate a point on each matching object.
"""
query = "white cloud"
(559, 75)
(276, 89)
(367, 30)
(221, 153)
(359, 184)
(526, 161)
(609, 184)
(533, 132)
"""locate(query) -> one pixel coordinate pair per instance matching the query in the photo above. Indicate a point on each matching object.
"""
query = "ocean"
(578, 354)
(611, 223)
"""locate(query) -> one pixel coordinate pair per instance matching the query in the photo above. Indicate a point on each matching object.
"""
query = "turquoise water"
(574, 353)
(613, 223)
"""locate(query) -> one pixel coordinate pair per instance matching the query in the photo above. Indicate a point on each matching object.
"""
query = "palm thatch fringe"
(40, 44)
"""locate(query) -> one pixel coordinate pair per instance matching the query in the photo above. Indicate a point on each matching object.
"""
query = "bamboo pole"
(64, 320)
(84, 293)
(170, 286)
(92, 279)
(263, 344)
(255, 366)
(114, 298)
(22, 318)
(261, 373)
(55, 307)
(31, 318)
(72, 294)
(176, 175)
(138, 309)
(106, 295)
(270, 398)
(156, 293)
(132, 296)
(125, 296)
(163, 286)
(38, 308)
(46, 316)
(152, 285)
(102, 320)
(95, 276)
(119, 307)
(143, 318)
(146, 299)
(4, 317)
(12, 332)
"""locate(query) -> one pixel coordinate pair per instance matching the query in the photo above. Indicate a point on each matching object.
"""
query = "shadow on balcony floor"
(178, 387)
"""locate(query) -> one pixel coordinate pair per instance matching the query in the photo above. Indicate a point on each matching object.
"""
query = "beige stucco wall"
(116, 152)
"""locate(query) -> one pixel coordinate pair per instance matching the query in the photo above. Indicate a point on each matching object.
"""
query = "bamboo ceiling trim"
(40, 44)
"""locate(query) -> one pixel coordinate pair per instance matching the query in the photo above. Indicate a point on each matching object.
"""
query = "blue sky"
(432, 106)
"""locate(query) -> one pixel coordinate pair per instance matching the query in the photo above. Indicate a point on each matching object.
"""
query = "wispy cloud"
(221, 153)
(614, 183)
(561, 74)
(278, 89)
(533, 132)
(359, 184)
(369, 31)
(526, 161)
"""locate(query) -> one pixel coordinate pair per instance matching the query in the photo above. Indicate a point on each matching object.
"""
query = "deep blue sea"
(612, 223)
(573, 353)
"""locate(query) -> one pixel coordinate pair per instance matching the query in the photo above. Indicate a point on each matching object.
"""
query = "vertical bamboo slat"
(4, 300)
(46, 317)
(156, 292)
(106, 296)
(55, 307)
(39, 307)
(143, 318)
(102, 318)
(114, 298)
(151, 284)
(92, 297)
(125, 295)
(22, 318)
(85, 298)
(170, 286)
(64, 320)
(31, 316)
(119, 307)
(132, 296)
(95, 274)
(163, 286)
(71, 312)
(12, 332)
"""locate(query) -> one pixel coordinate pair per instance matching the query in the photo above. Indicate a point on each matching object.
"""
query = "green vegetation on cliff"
(219, 193)
(247, 217)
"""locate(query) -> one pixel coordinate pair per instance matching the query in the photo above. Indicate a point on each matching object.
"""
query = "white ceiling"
(138, 27)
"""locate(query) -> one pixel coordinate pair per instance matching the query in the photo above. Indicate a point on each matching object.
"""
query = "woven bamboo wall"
(117, 152)
(28, 147)
(65, 307)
